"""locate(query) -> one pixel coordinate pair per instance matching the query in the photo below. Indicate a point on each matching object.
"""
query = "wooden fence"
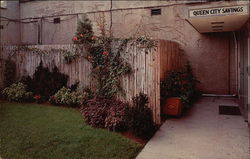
(148, 68)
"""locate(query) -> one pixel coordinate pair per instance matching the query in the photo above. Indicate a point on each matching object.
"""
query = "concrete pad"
(201, 134)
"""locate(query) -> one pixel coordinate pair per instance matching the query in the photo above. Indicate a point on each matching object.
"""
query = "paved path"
(201, 134)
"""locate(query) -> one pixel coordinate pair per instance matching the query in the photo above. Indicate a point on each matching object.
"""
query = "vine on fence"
(108, 65)
(68, 56)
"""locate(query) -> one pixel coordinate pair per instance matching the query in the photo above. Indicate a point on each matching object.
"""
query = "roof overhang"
(219, 19)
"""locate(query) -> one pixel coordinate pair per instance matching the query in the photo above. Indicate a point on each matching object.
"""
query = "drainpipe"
(111, 18)
(236, 62)
(219, 95)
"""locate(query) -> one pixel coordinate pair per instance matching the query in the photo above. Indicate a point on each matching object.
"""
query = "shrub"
(180, 84)
(28, 81)
(189, 91)
(173, 84)
(116, 116)
(95, 111)
(105, 113)
(74, 87)
(17, 92)
(9, 73)
(140, 118)
(84, 33)
(1, 95)
(45, 82)
(65, 97)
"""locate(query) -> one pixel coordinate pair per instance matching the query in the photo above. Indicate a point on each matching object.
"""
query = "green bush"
(65, 97)
(9, 73)
(45, 82)
(189, 90)
(140, 118)
(17, 92)
(181, 84)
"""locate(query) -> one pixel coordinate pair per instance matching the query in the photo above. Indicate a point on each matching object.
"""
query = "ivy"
(68, 56)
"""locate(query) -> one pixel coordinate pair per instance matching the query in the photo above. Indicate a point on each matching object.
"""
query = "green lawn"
(32, 131)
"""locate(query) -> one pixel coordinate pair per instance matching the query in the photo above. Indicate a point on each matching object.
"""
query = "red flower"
(105, 53)
(75, 38)
(37, 97)
(93, 37)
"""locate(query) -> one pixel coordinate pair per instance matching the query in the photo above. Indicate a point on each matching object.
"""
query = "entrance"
(217, 19)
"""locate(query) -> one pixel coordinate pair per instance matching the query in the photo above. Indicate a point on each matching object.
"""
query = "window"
(25, 1)
(57, 20)
(155, 12)
(3, 4)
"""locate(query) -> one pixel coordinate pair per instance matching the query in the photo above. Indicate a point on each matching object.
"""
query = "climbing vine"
(68, 56)
(108, 65)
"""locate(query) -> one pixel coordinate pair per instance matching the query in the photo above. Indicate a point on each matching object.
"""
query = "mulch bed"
(131, 136)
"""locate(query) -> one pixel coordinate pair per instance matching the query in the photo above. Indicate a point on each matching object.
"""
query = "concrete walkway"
(201, 134)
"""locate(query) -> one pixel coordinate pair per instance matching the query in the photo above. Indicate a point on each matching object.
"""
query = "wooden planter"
(172, 106)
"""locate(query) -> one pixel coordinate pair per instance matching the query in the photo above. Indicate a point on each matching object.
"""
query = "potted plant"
(178, 91)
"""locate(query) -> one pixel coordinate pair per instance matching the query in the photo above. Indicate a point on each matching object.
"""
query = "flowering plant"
(37, 98)
(105, 61)
(93, 38)
(105, 53)
(84, 33)
(75, 38)
(17, 92)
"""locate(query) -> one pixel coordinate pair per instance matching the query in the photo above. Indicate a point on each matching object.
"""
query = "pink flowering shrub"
(105, 113)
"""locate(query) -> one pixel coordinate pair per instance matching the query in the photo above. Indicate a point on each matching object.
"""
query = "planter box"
(172, 106)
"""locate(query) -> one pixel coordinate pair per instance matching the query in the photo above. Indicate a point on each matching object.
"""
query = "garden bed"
(42, 131)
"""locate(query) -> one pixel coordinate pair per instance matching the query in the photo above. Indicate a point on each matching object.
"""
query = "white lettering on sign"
(218, 11)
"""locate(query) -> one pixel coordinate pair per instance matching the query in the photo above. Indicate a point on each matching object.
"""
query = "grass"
(32, 131)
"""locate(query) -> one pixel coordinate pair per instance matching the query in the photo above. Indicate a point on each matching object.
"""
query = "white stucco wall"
(10, 34)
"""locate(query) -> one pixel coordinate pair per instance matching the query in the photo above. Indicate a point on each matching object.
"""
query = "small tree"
(9, 72)
(84, 33)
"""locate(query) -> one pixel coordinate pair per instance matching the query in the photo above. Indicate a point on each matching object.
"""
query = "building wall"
(45, 8)
(208, 53)
(243, 43)
(56, 34)
(211, 55)
(10, 34)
